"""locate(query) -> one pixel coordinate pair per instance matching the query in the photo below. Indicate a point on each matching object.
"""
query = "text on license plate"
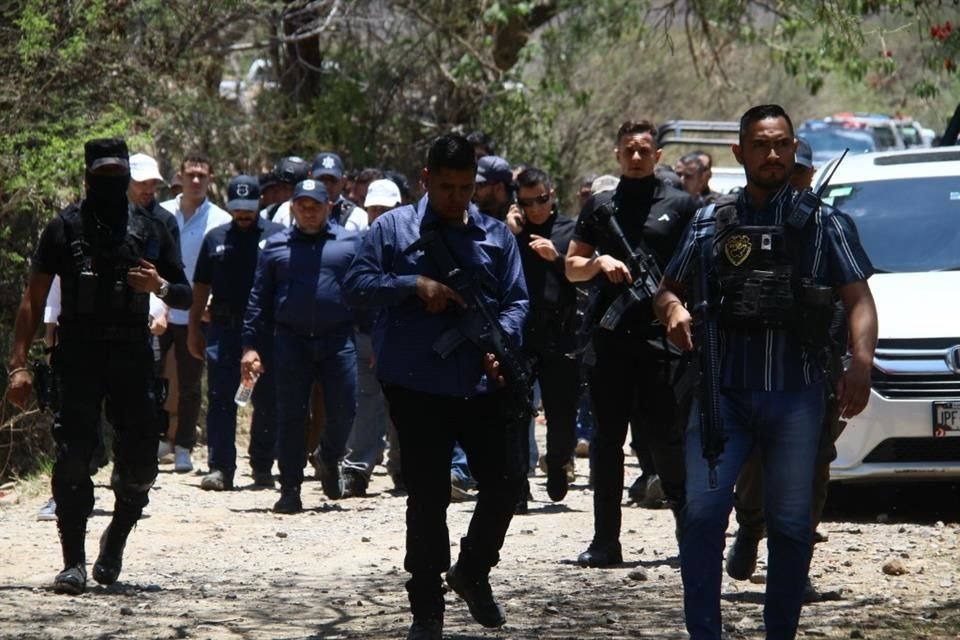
(946, 419)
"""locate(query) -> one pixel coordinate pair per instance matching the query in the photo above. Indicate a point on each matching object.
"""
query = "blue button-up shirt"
(383, 275)
(297, 286)
(830, 252)
(192, 231)
(228, 260)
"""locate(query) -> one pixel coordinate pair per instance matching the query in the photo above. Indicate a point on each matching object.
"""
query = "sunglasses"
(541, 199)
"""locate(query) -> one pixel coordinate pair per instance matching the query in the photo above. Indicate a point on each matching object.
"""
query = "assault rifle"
(706, 340)
(480, 326)
(643, 267)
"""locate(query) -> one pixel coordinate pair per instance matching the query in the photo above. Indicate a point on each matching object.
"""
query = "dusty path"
(221, 566)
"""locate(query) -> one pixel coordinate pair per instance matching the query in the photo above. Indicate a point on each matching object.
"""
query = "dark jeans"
(223, 378)
(330, 360)
(559, 378)
(263, 426)
(785, 426)
(428, 425)
(629, 383)
(189, 373)
(749, 489)
(122, 375)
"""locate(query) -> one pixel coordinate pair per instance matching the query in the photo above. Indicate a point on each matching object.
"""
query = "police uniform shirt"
(645, 208)
(54, 256)
(298, 284)
(227, 262)
(384, 276)
(774, 359)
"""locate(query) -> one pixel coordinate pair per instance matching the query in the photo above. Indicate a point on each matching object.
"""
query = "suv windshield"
(905, 225)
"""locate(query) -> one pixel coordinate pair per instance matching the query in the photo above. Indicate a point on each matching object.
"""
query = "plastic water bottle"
(245, 390)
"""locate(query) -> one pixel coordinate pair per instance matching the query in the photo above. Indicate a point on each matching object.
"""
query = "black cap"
(494, 169)
(101, 152)
(312, 189)
(327, 164)
(290, 170)
(243, 193)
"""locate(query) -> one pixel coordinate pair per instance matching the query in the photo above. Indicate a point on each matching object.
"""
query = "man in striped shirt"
(770, 379)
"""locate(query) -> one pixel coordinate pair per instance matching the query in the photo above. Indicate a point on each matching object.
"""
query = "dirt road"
(222, 566)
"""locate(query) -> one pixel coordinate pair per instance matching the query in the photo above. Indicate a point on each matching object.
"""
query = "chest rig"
(758, 271)
(95, 288)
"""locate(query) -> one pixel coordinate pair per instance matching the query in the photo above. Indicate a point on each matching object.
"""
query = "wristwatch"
(164, 289)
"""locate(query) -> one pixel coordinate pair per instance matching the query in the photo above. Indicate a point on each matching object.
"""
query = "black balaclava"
(107, 197)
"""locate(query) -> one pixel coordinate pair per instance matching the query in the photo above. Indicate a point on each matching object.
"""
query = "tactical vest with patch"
(94, 287)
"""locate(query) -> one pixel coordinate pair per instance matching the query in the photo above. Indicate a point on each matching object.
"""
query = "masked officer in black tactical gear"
(110, 255)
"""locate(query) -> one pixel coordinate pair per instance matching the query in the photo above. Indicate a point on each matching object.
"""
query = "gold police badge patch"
(737, 249)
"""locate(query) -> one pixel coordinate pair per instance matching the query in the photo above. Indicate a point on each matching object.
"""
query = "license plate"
(946, 419)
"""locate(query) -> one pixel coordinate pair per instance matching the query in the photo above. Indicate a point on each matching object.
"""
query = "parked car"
(906, 205)
(827, 143)
(883, 130)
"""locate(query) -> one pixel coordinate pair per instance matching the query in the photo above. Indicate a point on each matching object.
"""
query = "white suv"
(906, 205)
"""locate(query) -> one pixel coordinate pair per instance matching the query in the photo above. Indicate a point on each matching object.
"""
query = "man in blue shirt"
(297, 292)
(225, 269)
(435, 401)
(771, 382)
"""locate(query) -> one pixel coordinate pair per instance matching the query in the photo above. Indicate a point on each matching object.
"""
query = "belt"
(103, 333)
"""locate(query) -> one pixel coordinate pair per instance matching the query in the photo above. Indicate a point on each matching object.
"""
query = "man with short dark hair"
(769, 378)
(632, 378)
(109, 259)
(436, 401)
(298, 296)
(483, 144)
(549, 333)
(195, 216)
(224, 274)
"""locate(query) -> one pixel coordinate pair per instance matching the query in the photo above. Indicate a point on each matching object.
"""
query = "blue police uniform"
(772, 398)
(297, 291)
(226, 263)
(435, 401)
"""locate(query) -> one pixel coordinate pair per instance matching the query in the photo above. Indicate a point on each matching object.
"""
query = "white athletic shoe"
(182, 462)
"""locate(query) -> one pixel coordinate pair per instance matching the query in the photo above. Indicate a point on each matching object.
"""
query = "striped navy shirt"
(774, 359)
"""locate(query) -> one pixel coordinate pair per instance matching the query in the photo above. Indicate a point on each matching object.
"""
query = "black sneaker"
(478, 596)
(263, 479)
(354, 484)
(557, 483)
(742, 558)
(426, 629)
(109, 563)
(289, 502)
(72, 580)
(601, 554)
(329, 475)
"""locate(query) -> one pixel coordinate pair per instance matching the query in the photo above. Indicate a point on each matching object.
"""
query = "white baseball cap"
(382, 193)
(143, 168)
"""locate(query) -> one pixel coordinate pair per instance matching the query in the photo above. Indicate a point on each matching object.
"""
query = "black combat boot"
(106, 569)
(73, 578)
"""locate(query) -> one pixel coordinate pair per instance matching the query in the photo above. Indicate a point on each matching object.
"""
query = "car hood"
(917, 305)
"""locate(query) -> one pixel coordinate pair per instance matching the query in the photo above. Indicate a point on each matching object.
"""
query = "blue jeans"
(785, 426)
(366, 438)
(223, 378)
(300, 360)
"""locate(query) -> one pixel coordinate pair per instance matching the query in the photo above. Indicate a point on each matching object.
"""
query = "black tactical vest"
(94, 286)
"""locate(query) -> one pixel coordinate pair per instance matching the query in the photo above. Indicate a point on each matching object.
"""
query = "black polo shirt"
(228, 260)
(645, 208)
